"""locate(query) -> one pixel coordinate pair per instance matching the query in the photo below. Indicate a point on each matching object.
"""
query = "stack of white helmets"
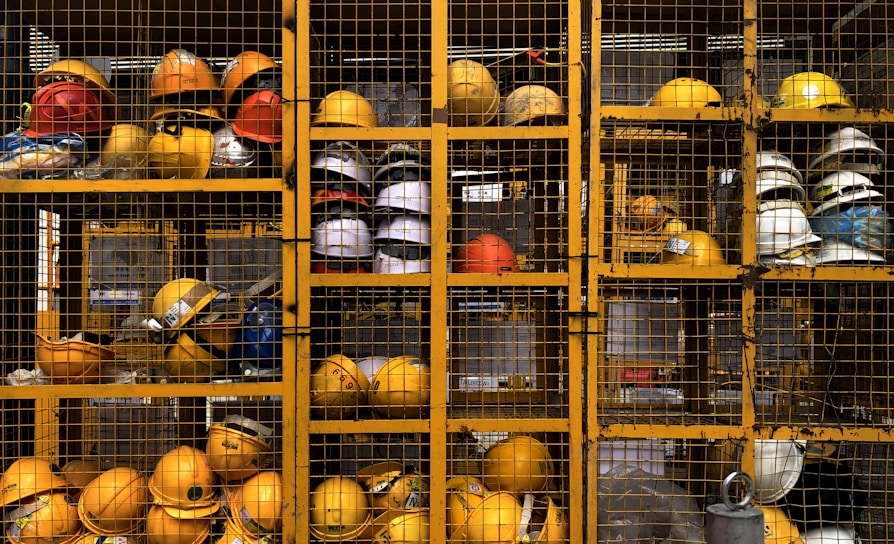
(784, 236)
(341, 215)
(847, 211)
(402, 207)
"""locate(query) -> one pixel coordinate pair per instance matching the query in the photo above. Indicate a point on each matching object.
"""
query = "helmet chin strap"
(527, 514)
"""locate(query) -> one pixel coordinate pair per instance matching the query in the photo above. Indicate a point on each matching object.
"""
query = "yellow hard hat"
(337, 388)
(79, 473)
(221, 331)
(71, 361)
(686, 92)
(180, 151)
(128, 142)
(235, 446)
(29, 476)
(778, 528)
(87, 537)
(179, 301)
(114, 502)
(694, 247)
(808, 90)
(534, 105)
(495, 520)
(76, 70)
(184, 482)
(50, 518)
(673, 227)
(163, 528)
(394, 486)
(234, 534)
(401, 527)
(345, 109)
(187, 361)
(518, 464)
(402, 388)
(464, 494)
(257, 504)
(472, 96)
(548, 522)
(339, 510)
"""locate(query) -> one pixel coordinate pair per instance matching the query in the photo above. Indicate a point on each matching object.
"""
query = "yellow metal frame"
(583, 281)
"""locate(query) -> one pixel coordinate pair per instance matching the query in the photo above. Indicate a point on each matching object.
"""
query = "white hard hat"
(343, 159)
(781, 227)
(403, 245)
(841, 188)
(406, 228)
(835, 252)
(370, 365)
(414, 196)
(394, 259)
(342, 237)
(795, 257)
(847, 145)
(779, 184)
(830, 534)
(773, 160)
(777, 466)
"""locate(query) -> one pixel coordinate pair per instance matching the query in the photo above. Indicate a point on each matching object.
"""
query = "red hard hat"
(68, 106)
(486, 254)
(324, 196)
(260, 117)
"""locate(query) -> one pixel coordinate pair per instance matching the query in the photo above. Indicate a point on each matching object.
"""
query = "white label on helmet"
(418, 365)
(678, 246)
(232, 64)
(810, 92)
(414, 500)
(175, 313)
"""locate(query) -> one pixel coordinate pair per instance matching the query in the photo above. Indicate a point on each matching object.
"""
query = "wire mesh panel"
(519, 207)
(502, 475)
(113, 293)
(371, 351)
(119, 284)
(653, 488)
(659, 361)
(645, 45)
(367, 484)
(505, 355)
(655, 188)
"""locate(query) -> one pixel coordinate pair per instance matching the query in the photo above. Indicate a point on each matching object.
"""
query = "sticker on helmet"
(810, 92)
(678, 246)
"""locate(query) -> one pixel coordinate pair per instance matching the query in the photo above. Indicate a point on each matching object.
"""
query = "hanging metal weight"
(735, 522)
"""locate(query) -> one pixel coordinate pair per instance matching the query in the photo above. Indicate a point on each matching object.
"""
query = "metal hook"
(749, 490)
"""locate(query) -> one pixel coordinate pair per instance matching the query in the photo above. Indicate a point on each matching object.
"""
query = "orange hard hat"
(486, 254)
(180, 71)
(259, 117)
(241, 69)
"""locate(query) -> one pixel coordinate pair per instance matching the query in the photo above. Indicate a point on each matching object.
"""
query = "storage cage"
(456, 271)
